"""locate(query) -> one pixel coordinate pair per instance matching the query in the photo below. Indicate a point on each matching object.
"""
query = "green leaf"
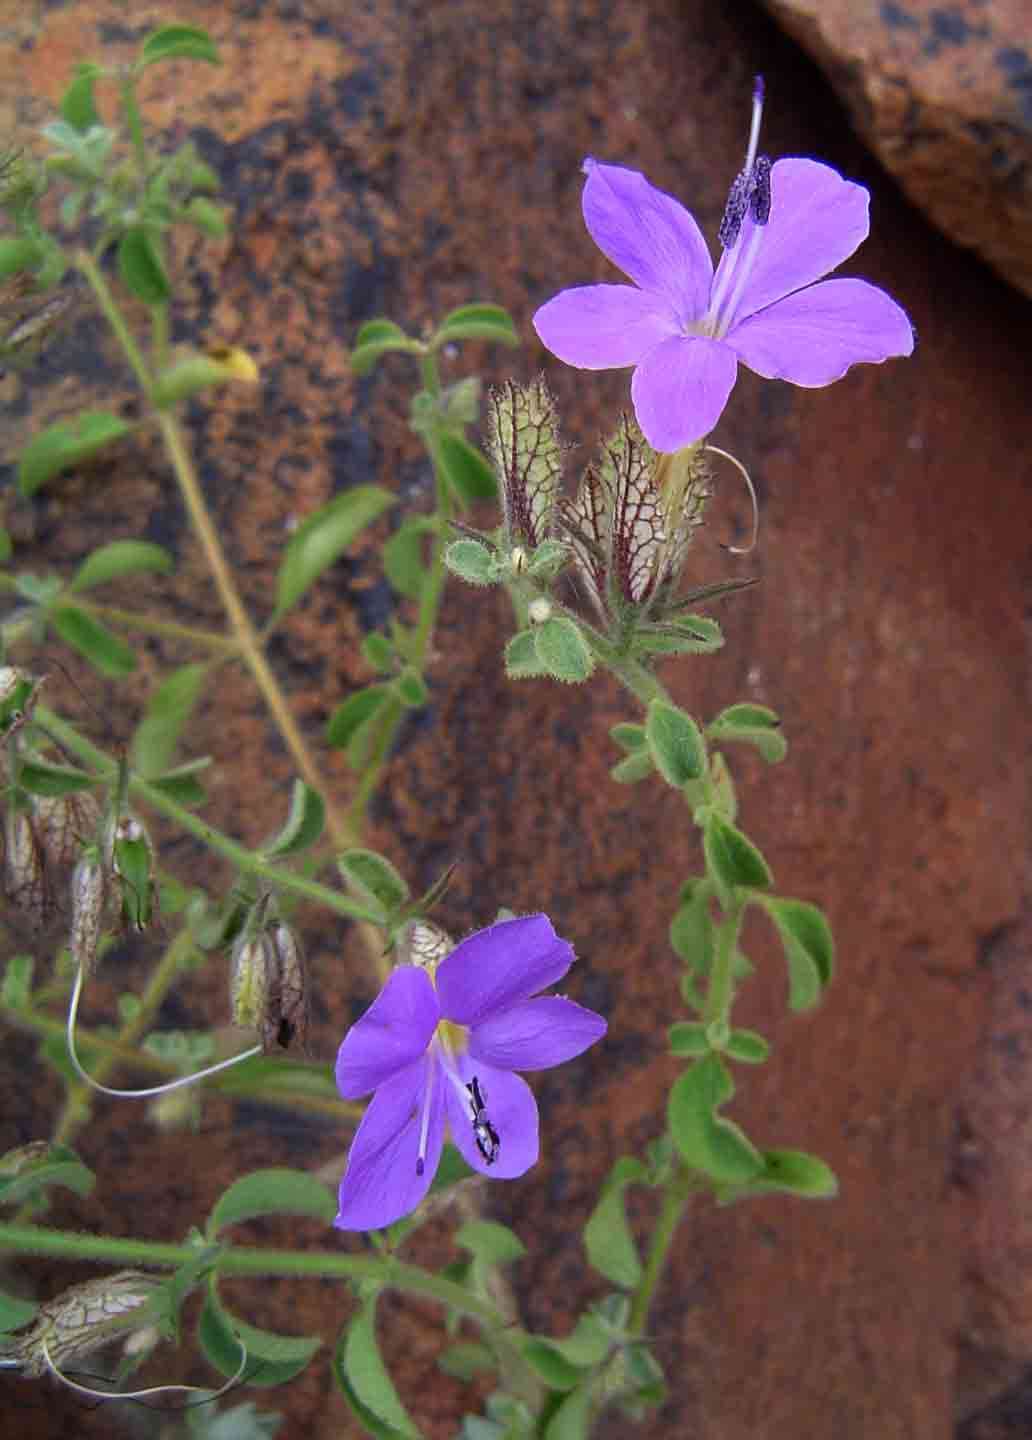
(40, 777)
(707, 1142)
(477, 322)
(490, 1242)
(562, 650)
(359, 1361)
(571, 1420)
(271, 1359)
(194, 373)
(688, 1039)
(629, 737)
(168, 710)
(675, 742)
(31, 1168)
(354, 714)
(554, 1369)
(177, 42)
(141, 267)
(411, 688)
(17, 253)
(607, 1236)
(467, 1360)
(374, 879)
(15, 1313)
(64, 444)
(521, 657)
(723, 796)
(701, 637)
(78, 106)
(377, 338)
(808, 945)
(323, 537)
(16, 990)
(751, 725)
(471, 561)
(633, 768)
(120, 557)
(403, 562)
(797, 1173)
(303, 825)
(466, 470)
(732, 859)
(181, 784)
(747, 1046)
(378, 652)
(272, 1192)
(6, 547)
(691, 929)
(207, 216)
(105, 652)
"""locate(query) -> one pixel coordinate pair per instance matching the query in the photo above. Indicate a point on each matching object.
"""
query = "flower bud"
(539, 610)
(89, 891)
(84, 1318)
(25, 879)
(133, 863)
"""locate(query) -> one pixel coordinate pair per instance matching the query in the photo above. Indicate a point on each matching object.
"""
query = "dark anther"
(759, 199)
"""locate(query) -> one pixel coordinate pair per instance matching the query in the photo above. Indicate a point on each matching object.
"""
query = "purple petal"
(813, 337)
(381, 1183)
(511, 1108)
(536, 1034)
(817, 219)
(649, 235)
(496, 968)
(680, 389)
(601, 327)
(393, 1032)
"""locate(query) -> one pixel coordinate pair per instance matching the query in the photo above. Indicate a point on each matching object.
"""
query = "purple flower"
(685, 327)
(441, 1044)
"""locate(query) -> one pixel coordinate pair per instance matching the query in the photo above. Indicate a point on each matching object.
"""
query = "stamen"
(759, 200)
(424, 1124)
(754, 127)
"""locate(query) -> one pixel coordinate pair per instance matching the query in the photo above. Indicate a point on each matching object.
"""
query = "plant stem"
(95, 278)
(232, 850)
(151, 625)
(675, 1198)
(720, 991)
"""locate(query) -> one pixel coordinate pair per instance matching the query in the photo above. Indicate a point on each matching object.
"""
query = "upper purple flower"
(685, 327)
(441, 1044)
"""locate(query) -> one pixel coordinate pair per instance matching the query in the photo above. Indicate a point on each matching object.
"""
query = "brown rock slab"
(403, 159)
(943, 95)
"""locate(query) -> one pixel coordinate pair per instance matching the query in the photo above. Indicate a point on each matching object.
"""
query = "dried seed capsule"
(83, 1319)
(252, 971)
(286, 1018)
(89, 890)
(65, 823)
(25, 876)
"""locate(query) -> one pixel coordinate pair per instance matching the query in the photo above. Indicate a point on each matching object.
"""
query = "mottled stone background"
(402, 158)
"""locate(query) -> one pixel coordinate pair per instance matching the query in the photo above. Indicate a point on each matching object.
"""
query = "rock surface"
(943, 95)
(405, 158)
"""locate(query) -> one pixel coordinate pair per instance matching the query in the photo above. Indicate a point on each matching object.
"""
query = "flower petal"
(536, 1034)
(649, 235)
(601, 327)
(496, 968)
(511, 1108)
(813, 337)
(817, 219)
(680, 389)
(381, 1183)
(391, 1034)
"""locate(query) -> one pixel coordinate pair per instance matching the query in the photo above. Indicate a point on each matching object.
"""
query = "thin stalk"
(675, 1198)
(95, 279)
(151, 625)
(720, 992)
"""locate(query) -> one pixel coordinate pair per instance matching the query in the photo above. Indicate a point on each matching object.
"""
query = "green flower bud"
(133, 863)
(84, 1318)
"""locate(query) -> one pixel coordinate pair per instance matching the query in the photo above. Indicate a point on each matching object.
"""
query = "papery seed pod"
(89, 892)
(252, 972)
(424, 944)
(18, 693)
(286, 1017)
(82, 1319)
(523, 440)
(25, 875)
(65, 823)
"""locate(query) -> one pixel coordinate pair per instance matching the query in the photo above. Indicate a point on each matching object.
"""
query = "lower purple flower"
(440, 1045)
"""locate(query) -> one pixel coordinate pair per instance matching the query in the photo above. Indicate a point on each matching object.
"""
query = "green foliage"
(15, 1313)
(521, 657)
(323, 537)
(632, 768)
(809, 949)
(168, 711)
(377, 338)
(607, 1236)
(141, 267)
(272, 1359)
(303, 825)
(16, 990)
(467, 1360)
(466, 470)
(362, 1376)
(351, 720)
(707, 1141)
(629, 737)
(471, 561)
(490, 1242)
(732, 859)
(562, 652)
(675, 743)
(181, 783)
(571, 1420)
(177, 42)
(118, 558)
(67, 443)
(411, 690)
(85, 633)
(476, 322)
(272, 1192)
(375, 880)
(403, 561)
(29, 1170)
(752, 725)
(18, 253)
(795, 1173)
(747, 1046)
(41, 777)
(696, 635)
